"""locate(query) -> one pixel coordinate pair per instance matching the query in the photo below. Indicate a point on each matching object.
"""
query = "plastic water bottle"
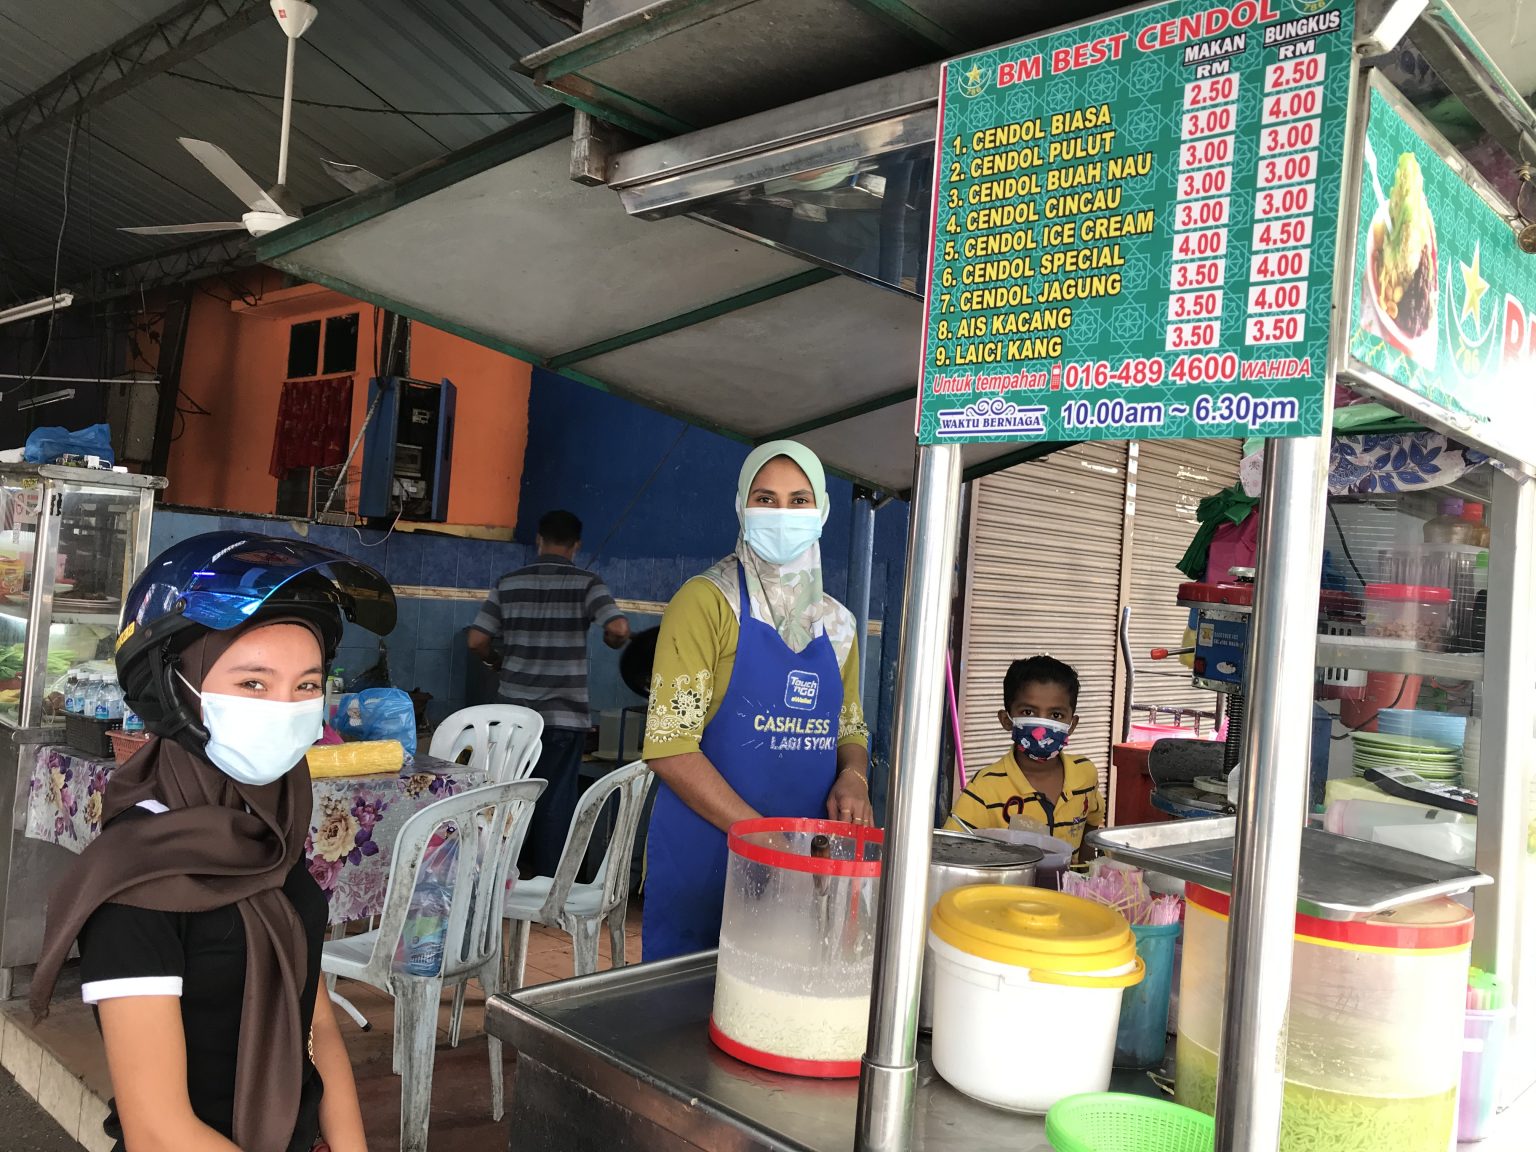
(132, 723)
(114, 700)
(101, 702)
(72, 695)
(427, 927)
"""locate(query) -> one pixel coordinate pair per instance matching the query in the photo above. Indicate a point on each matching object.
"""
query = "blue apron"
(774, 740)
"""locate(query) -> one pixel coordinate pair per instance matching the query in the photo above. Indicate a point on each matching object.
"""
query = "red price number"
(1294, 233)
(1194, 305)
(1203, 153)
(1292, 169)
(1290, 297)
(1294, 73)
(1281, 265)
(1198, 245)
(1293, 201)
(1210, 123)
(1200, 334)
(1205, 182)
(1202, 213)
(1293, 137)
(1198, 274)
(1293, 105)
(1275, 329)
(1216, 90)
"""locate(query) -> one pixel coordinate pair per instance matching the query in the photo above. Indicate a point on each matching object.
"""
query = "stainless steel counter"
(635, 1039)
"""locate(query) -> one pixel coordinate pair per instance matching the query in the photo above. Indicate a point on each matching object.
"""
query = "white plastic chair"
(582, 909)
(503, 739)
(490, 822)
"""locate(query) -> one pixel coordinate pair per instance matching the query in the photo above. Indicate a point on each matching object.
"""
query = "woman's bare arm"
(699, 785)
(147, 1057)
(341, 1117)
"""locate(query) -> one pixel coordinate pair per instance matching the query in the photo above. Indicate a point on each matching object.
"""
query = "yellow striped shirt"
(996, 794)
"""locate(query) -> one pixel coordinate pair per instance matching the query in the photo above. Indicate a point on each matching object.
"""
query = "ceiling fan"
(273, 208)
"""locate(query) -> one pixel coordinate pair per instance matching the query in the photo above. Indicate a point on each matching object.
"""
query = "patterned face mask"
(1040, 737)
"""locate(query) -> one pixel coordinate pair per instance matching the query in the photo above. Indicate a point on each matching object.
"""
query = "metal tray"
(1341, 879)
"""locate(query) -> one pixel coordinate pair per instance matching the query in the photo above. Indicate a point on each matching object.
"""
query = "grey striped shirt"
(538, 617)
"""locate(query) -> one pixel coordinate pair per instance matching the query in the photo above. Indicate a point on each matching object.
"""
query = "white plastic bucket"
(1016, 1043)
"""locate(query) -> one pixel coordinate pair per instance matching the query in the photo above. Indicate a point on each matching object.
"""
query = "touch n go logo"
(802, 690)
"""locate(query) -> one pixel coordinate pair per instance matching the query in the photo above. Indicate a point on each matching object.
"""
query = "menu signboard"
(1134, 227)
(1445, 299)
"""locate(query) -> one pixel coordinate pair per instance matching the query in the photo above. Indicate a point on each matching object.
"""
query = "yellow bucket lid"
(1034, 928)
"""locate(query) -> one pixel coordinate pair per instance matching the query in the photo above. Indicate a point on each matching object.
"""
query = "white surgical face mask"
(258, 741)
(779, 535)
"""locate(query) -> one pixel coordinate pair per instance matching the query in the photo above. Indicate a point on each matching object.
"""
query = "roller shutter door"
(1043, 576)
(1170, 478)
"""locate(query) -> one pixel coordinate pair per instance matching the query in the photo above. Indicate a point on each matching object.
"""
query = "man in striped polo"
(535, 621)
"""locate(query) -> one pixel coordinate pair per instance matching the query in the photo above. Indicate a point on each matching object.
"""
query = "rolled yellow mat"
(364, 758)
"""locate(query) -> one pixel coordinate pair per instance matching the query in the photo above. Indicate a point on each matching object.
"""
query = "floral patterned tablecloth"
(353, 829)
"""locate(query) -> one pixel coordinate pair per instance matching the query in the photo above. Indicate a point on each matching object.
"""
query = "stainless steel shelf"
(102, 619)
(1354, 652)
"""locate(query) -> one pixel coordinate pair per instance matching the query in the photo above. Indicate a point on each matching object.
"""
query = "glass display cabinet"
(72, 541)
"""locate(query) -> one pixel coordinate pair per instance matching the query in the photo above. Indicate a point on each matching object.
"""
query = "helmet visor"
(222, 579)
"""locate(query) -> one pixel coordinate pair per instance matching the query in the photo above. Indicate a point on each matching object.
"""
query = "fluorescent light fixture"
(37, 307)
(45, 399)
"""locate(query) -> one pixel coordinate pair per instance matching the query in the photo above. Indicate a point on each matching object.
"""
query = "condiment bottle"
(1475, 515)
(1449, 527)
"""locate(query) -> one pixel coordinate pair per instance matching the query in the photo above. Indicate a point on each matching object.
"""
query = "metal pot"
(959, 860)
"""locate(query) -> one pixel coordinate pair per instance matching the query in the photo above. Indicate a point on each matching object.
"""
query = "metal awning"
(498, 245)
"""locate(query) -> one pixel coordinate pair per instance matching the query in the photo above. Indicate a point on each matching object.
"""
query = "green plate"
(1400, 743)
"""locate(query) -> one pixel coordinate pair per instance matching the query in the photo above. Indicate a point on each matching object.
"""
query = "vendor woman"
(754, 705)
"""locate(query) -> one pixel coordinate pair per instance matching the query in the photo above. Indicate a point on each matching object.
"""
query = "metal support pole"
(282, 144)
(861, 568)
(1509, 681)
(888, 1082)
(1271, 809)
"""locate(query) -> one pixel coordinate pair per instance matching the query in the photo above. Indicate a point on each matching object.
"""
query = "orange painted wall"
(234, 366)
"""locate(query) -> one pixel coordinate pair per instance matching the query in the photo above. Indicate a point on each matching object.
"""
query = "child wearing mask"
(1036, 779)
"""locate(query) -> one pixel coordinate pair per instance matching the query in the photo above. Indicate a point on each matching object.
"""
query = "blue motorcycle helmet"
(225, 580)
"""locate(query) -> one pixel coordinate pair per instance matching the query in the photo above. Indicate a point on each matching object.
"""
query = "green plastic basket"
(1120, 1122)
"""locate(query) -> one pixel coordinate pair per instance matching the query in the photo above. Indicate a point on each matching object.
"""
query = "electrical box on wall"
(407, 450)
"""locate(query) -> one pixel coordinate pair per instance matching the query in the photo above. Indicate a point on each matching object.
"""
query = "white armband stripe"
(96, 991)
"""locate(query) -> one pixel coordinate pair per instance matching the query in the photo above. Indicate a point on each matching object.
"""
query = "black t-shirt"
(200, 956)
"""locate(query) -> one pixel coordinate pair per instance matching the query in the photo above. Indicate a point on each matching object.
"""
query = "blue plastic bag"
(377, 714)
(46, 445)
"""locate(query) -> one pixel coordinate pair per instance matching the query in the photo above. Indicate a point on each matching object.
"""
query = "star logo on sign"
(973, 82)
(1472, 278)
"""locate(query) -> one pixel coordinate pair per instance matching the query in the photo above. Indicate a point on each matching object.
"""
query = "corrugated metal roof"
(445, 56)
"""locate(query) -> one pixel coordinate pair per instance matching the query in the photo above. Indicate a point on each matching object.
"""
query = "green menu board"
(1445, 300)
(1135, 226)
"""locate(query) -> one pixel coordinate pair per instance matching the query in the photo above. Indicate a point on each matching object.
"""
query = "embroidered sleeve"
(851, 728)
(688, 670)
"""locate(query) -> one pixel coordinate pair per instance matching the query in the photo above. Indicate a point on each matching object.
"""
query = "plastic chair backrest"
(631, 782)
(503, 739)
(490, 822)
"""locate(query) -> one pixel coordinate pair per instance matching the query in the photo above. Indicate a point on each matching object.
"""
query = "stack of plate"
(1448, 728)
(1437, 762)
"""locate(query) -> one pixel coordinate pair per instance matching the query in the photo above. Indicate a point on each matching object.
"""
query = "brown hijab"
(221, 843)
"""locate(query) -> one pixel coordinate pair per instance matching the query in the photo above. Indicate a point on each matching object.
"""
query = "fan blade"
(230, 174)
(350, 176)
(183, 229)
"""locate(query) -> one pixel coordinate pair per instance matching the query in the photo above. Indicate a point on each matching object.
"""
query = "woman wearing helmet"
(199, 925)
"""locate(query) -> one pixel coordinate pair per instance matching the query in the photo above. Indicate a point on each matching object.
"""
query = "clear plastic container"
(1476, 515)
(1374, 1033)
(797, 945)
(1408, 615)
(1449, 527)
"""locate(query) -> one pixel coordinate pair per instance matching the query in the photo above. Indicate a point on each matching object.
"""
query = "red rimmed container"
(797, 945)
(1374, 1033)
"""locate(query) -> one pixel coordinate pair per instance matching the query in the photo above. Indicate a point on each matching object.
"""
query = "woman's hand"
(849, 799)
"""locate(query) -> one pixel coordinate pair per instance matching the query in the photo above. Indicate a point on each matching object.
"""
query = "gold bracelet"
(863, 779)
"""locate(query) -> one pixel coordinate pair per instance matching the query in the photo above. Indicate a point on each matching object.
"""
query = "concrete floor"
(26, 1126)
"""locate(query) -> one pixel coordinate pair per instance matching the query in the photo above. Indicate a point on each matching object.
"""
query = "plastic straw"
(1125, 890)
(954, 720)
